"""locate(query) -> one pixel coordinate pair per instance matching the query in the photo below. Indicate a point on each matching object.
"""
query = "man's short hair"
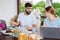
(28, 5)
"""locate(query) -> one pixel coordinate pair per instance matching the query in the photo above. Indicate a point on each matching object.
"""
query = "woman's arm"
(16, 23)
(44, 25)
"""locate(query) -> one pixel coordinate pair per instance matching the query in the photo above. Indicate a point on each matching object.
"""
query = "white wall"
(8, 8)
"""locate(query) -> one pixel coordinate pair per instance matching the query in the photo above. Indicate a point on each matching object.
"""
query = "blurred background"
(9, 8)
(41, 4)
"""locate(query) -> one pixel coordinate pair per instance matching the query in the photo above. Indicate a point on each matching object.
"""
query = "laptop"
(50, 32)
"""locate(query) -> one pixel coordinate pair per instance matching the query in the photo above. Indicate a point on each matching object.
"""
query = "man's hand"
(29, 28)
(34, 25)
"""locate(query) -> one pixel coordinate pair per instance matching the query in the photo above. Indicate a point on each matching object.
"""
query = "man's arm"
(30, 27)
(17, 23)
(34, 21)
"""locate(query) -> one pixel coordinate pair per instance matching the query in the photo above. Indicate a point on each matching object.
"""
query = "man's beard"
(28, 13)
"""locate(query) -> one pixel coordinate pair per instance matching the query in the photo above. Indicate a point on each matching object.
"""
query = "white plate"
(8, 33)
(3, 31)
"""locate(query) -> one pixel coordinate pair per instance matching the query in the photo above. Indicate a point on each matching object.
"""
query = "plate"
(3, 31)
(8, 33)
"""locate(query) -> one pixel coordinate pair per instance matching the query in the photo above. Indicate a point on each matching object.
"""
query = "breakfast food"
(8, 31)
(32, 37)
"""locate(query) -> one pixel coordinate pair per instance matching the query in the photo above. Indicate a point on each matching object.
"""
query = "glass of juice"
(22, 36)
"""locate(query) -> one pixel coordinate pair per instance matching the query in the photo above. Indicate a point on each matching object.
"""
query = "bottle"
(19, 36)
(16, 31)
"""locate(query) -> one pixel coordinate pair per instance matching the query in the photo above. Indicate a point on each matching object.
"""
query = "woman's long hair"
(51, 10)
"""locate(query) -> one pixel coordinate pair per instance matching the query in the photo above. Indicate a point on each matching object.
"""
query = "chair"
(3, 21)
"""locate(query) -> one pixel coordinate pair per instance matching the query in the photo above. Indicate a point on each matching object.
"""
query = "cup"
(22, 36)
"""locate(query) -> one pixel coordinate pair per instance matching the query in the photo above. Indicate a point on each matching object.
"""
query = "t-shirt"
(55, 23)
(27, 20)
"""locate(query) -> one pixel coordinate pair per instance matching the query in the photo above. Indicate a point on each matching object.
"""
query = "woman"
(52, 19)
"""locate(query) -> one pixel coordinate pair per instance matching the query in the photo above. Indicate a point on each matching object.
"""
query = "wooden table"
(49, 39)
(10, 37)
(7, 37)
